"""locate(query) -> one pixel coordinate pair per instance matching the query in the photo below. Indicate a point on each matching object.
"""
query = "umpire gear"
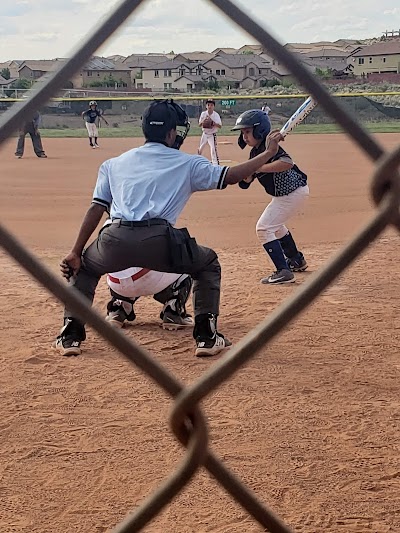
(163, 116)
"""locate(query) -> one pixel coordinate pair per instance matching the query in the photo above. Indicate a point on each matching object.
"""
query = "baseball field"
(312, 424)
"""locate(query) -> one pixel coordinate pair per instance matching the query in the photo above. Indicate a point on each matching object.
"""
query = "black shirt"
(277, 183)
(91, 115)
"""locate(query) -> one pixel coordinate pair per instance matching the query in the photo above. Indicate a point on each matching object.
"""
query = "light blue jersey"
(154, 181)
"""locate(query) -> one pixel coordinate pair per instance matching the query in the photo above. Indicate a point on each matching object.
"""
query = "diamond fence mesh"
(187, 420)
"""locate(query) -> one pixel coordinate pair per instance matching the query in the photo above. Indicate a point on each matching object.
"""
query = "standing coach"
(145, 190)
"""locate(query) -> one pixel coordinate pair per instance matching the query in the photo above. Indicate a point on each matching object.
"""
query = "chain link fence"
(187, 420)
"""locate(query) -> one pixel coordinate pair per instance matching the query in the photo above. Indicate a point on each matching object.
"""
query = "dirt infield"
(311, 424)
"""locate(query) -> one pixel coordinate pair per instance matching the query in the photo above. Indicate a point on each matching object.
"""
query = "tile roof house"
(382, 57)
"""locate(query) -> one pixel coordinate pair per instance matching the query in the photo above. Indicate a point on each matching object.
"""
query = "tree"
(248, 53)
(212, 85)
(5, 73)
(323, 73)
(22, 83)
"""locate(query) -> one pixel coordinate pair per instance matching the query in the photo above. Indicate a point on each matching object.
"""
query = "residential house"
(256, 49)
(380, 57)
(195, 57)
(163, 76)
(12, 66)
(228, 50)
(100, 71)
(137, 62)
(33, 70)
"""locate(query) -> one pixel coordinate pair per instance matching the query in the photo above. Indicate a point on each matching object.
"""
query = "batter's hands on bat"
(273, 140)
(70, 265)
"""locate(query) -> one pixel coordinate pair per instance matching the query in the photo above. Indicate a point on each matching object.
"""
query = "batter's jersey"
(154, 181)
(277, 183)
(135, 281)
(214, 117)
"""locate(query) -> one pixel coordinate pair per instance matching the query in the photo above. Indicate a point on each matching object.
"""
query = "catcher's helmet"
(256, 119)
(92, 103)
(163, 116)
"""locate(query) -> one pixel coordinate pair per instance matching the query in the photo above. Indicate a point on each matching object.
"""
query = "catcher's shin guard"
(176, 295)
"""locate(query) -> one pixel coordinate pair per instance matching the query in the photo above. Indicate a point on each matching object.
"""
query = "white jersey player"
(210, 122)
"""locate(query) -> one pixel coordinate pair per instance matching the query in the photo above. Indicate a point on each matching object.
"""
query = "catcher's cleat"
(172, 321)
(297, 264)
(278, 277)
(209, 346)
(116, 315)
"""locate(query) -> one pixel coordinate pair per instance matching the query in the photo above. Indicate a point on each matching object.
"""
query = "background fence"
(187, 421)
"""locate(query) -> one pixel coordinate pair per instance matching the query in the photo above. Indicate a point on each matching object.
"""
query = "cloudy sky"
(45, 29)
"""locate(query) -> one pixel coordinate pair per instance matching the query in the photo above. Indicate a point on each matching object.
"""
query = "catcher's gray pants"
(36, 141)
(148, 246)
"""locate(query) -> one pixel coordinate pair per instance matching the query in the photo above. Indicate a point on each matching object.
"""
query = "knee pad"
(178, 292)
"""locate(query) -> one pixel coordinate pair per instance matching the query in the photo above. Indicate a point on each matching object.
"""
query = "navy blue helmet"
(256, 119)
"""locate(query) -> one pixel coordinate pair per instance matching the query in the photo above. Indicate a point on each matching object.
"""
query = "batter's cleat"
(118, 316)
(68, 345)
(297, 264)
(278, 277)
(18, 156)
(42, 156)
(209, 346)
(172, 321)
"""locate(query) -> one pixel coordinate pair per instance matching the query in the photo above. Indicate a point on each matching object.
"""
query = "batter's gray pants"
(119, 247)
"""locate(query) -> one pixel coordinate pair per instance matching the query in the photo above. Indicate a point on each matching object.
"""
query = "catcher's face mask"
(163, 116)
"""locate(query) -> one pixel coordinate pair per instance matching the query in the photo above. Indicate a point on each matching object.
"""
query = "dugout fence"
(187, 420)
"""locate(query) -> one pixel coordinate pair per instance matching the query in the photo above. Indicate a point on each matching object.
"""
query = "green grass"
(136, 131)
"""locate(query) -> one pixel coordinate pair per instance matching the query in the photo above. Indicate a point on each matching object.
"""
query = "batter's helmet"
(163, 116)
(92, 103)
(256, 119)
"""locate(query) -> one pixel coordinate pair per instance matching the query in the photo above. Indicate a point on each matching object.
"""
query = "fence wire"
(187, 420)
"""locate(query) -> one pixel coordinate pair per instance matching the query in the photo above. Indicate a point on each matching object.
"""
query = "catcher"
(210, 122)
(90, 116)
(171, 290)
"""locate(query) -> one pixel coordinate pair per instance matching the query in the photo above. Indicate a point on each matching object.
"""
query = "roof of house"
(45, 65)
(238, 60)
(172, 64)
(379, 49)
(195, 56)
(144, 60)
(3, 81)
(326, 51)
(102, 63)
(226, 50)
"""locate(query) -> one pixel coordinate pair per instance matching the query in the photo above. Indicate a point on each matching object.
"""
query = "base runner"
(90, 116)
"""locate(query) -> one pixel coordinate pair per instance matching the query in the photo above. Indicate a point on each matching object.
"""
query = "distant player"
(210, 122)
(90, 116)
(287, 185)
(31, 127)
(266, 108)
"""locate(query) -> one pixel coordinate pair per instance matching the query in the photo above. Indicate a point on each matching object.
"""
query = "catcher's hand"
(208, 123)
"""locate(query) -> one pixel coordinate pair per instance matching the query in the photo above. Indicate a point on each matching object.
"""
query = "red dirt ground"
(311, 424)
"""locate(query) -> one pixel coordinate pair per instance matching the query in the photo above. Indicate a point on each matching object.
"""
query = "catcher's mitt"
(208, 123)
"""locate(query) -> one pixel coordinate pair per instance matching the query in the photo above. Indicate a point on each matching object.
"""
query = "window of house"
(384, 59)
(361, 61)
(167, 85)
(259, 71)
(223, 72)
(98, 73)
(139, 85)
(156, 74)
(181, 72)
(370, 59)
(218, 72)
(89, 73)
(251, 71)
(189, 86)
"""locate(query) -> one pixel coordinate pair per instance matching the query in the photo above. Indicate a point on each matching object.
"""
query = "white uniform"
(135, 281)
(210, 135)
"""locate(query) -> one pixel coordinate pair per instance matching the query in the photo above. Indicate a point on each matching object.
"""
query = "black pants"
(119, 247)
(36, 141)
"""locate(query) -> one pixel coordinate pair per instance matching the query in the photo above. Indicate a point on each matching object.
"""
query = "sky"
(46, 29)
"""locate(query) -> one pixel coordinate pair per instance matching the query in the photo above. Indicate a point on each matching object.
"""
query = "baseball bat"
(299, 115)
